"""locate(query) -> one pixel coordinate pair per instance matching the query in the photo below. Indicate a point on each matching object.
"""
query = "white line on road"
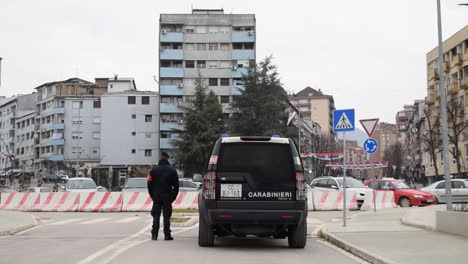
(127, 220)
(95, 221)
(68, 221)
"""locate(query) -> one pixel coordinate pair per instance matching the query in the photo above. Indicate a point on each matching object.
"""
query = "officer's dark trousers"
(166, 207)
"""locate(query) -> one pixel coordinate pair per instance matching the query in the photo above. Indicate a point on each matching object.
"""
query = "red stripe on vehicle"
(131, 201)
(8, 201)
(23, 200)
(87, 201)
(103, 202)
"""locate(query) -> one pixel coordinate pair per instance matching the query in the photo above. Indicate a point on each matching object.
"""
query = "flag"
(292, 114)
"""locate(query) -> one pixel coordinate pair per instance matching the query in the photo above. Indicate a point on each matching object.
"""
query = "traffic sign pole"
(344, 178)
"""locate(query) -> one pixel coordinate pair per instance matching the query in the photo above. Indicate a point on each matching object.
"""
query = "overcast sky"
(368, 54)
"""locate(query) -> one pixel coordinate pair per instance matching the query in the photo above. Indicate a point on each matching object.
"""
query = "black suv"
(253, 186)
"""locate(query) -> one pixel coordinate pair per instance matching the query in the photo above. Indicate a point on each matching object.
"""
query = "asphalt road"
(124, 238)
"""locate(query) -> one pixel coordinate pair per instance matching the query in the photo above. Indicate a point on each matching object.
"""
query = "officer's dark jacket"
(163, 182)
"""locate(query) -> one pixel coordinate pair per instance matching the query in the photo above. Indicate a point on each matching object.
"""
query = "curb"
(404, 221)
(15, 230)
(353, 249)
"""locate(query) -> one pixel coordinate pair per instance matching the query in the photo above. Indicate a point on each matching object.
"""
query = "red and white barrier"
(383, 200)
(58, 202)
(186, 200)
(136, 202)
(19, 201)
(100, 202)
(333, 200)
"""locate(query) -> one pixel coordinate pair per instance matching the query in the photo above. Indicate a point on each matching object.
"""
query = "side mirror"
(334, 187)
(62, 187)
(99, 187)
(197, 178)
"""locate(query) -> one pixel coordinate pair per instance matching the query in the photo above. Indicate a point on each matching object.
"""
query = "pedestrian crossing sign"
(343, 120)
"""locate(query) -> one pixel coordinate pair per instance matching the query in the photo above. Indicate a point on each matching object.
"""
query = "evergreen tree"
(202, 126)
(261, 108)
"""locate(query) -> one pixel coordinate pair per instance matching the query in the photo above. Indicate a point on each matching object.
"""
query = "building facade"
(206, 44)
(455, 69)
(129, 129)
(316, 106)
(385, 134)
(24, 141)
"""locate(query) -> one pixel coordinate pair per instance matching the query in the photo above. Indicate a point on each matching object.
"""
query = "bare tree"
(456, 125)
(323, 144)
(394, 156)
(431, 138)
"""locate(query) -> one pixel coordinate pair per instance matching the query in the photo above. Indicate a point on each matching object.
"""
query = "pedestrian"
(163, 187)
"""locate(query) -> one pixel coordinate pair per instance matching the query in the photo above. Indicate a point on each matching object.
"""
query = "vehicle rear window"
(267, 163)
(81, 184)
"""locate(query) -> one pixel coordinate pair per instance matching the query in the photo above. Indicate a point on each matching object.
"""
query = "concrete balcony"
(465, 54)
(168, 126)
(57, 158)
(243, 54)
(243, 36)
(171, 72)
(59, 110)
(171, 37)
(433, 74)
(456, 60)
(165, 143)
(171, 54)
(170, 108)
(236, 90)
(431, 99)
(170, 90)
(58, 142)
(454, 88)
(237, 73)
(59, 126)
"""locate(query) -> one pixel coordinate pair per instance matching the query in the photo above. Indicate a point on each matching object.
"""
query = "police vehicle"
(253, 186)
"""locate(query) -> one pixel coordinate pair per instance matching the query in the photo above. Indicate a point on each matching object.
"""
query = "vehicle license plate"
(430, 201)
(231, 190)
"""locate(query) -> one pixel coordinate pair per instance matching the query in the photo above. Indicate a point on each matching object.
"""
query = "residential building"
(455, 69)
(316, 106)
(386, 135)
(68, 124)
(24, 141)
(129, 129)
(402, 118)
(10, 109)
(206, 44)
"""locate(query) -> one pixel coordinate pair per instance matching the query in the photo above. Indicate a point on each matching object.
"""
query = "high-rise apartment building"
(316, 106)
(209, 44)
(455, 68)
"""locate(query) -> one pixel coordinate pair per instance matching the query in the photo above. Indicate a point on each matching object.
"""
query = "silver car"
(459, 190)
(188, 185)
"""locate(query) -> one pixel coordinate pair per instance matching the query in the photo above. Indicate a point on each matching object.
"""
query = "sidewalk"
(12, 222)
(382, 238)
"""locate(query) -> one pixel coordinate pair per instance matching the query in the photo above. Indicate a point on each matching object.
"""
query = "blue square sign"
(343, 120)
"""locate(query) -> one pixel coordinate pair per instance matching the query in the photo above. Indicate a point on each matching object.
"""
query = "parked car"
(37, 189)
(135, 185)
(459, 190)
(188, 185)
(81, 184)
(403, 194)
(328, 183)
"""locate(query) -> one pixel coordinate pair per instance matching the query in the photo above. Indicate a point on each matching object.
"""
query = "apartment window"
(97, 120)
(224, 81)
(201, 64)
(95, 150)
(189, 30)
(190, 64)
(236, 46)
(131, 100)
(225, 46)
(189, 46)
(148, 152)
(145, 100)
(133, 133)
(225, 99)
(148, 118)
(76, 104)
(147, 135)
(97, 104)
(165, 134)
(213, 46)
(248, 46)
(76, 120)
(27, 136)
(77, 135)
(133, 116)
(201, 46)
(213, 82)
(133, 151)
(96, 135)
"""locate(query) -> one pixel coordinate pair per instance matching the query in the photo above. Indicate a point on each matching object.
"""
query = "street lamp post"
(443, 106)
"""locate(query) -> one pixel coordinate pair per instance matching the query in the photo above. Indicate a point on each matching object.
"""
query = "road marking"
(95, 221)
(344, 252)
(127, 220)
(68, 221)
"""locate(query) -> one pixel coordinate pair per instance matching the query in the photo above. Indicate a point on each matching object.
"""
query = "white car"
(329, 183)
(37, 189)
(81, 184)
(459, 190)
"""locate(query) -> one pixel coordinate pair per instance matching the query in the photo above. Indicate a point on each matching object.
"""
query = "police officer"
(163, 187)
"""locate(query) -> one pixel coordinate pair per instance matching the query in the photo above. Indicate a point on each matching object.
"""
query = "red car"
(404, 195)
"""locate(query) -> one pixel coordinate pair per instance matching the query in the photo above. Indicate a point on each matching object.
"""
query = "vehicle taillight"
(300, 186)
(209, 185)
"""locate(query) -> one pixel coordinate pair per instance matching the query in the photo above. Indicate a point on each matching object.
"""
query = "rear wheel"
(405, 202)
(297, 235)
(205, 233)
